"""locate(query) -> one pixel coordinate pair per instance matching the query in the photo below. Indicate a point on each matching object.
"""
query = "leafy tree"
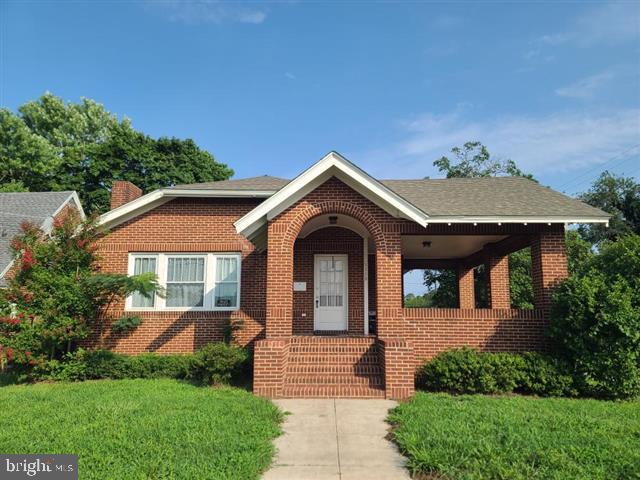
(595, 320)
(57, 295)
(25, 158)
(520, 280)
(53, 145)
(13, 187)
(474, 160)
(619, 196)
(418, 301)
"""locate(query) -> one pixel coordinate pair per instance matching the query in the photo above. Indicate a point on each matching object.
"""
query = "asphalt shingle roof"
(34, 207)
(264, 182)
(475, 197)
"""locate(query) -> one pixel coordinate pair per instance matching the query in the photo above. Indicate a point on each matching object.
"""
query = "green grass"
(142, 429)
(484, 437)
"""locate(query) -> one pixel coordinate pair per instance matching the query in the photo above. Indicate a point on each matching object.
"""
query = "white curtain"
(143, 265)
(185, 282)
(226, 289)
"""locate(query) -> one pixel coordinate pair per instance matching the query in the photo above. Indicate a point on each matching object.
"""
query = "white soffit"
(331, 165)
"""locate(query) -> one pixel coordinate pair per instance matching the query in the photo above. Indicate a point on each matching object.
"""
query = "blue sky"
(271, 87)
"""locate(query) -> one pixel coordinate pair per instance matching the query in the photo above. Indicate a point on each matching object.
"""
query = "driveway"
(338, 439)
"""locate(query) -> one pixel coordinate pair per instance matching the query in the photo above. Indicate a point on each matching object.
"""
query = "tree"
(474, 160)
(595, 320)
(57, 295)
(53, 145)
(619, 196)
(25, 158)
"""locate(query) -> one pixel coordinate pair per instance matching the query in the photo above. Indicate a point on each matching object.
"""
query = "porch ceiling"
(445, 246)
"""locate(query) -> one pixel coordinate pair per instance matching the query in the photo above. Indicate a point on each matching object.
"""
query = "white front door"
(330, 285)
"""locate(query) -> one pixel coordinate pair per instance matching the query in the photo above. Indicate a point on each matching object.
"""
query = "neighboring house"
(38, 208)
(306, 266)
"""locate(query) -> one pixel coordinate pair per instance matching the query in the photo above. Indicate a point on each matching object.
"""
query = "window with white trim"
(207, 281)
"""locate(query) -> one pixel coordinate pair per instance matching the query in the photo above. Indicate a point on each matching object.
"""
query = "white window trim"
(210, 266)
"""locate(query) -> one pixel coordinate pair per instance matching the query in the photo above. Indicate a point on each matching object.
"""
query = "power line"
(600, 166)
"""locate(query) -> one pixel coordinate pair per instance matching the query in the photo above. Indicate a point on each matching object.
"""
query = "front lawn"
(484, 437)
(140, 429)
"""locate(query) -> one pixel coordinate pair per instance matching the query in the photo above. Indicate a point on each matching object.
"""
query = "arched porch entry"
(307, 228)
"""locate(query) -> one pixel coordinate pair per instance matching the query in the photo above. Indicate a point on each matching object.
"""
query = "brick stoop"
(333, 367)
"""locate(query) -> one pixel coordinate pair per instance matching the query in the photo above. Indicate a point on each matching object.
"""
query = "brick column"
(269, 366)
(466, 291)
(498, 280)
(389, 285)
(279, 315)
(398, 361)
(548, 265)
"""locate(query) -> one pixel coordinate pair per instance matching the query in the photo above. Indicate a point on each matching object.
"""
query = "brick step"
(334, 359)
(332, 391)
(353, 369)
(334, 379)
(332, 340)
(302, 348)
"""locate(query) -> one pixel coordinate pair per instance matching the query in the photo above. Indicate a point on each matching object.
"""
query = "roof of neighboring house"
(38, 208)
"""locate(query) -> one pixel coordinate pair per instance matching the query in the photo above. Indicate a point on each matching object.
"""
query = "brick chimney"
(123, 192)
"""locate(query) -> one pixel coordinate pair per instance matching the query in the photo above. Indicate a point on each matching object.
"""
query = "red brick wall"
(330, 240)
(548, 265)
(123, 192)
(498, 281)
(466, 290)
(434, 330)
(187, 225)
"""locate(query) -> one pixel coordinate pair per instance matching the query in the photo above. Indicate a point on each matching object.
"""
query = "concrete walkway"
(337, 440)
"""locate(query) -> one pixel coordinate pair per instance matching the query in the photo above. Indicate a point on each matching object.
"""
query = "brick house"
(312, 270)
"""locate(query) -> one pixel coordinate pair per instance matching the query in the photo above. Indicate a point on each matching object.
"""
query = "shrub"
(216, 363)
(466, 370)
(545, 376)
(595, 321)
(103, 364)
(150, 365)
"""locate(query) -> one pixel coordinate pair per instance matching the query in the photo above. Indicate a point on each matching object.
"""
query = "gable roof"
(38, 208)
(331, 165)
(450, 200)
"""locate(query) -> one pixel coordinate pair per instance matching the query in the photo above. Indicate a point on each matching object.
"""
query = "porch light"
(333, 219)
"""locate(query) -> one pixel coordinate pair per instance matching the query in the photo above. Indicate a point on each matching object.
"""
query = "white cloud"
(609, 24)
(558, 142)
(207, 11)
(586, 88)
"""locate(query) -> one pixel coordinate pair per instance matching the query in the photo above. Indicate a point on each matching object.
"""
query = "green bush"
(104, 364)
(466, 370)
(595, 321)
(150, 365)
(545, 376)
(216, 363)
